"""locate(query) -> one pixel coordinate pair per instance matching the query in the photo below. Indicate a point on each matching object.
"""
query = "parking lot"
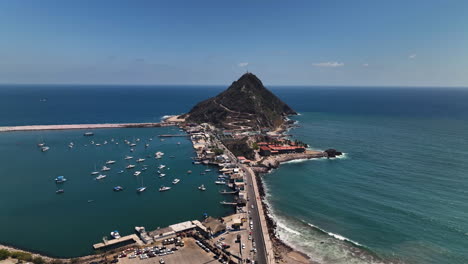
(189, 253)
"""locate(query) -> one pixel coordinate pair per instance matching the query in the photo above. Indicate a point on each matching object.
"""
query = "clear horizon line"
(225, 85)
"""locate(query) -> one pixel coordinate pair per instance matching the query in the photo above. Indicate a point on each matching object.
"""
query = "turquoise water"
(398, 195)
(36, 218)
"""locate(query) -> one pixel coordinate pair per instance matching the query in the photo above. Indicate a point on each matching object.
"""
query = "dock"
(227, 203)
(81, 126)
(130, 239)
(228, 192)
(175, 135)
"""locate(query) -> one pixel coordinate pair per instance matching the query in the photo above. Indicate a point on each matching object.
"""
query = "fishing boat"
(128, 157)
(105, 168)
(110, 162)
(130, 166)
(118, 188)
(59, 191)
(220, 182)
(137, 173)
(175, 181)
(60, 179)
(202, 188)
(115, 234)
(140, 160)
(100, 177)
(164, 188)
(88, 134)
(45, 148)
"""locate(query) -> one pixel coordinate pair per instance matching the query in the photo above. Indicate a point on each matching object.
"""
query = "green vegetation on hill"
(246, 104)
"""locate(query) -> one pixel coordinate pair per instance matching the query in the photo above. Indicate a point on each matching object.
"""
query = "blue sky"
(361, 42)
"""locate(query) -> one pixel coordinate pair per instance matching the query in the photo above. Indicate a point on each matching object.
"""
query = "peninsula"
(243, 132)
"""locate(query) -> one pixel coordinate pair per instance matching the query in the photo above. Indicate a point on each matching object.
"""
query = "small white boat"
(146, 145)
(132, 145)
(140, 160)
(202, 188)
(137, 173)
(220, 182)
(128, 157)
(141, 189)
(60, 179)
(100, 177)
(164, 188)
(41, 145)
(105, 142)
(207, 170)
(115, 234)
(161, 167)
(130, 166)
(89, 134)
(44, 149)
(175, 181)
(110, 162)
(105, 168)
(159, 153)
(97, 144)
(131, 150)
(95, 173)
(162, 175)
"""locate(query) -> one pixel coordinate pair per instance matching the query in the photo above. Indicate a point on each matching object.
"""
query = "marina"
(81, 195)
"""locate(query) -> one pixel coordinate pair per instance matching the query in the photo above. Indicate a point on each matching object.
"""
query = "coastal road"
(257, 234)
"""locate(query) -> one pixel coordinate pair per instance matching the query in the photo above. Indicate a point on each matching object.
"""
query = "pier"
(227, 203)
(82, 126)
(175, 135)
(228, 192)
(130, 239)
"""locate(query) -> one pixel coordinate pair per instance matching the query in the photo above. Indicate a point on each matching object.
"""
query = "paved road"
(257, 234)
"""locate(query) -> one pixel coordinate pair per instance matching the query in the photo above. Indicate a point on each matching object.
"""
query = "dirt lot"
(190, 253)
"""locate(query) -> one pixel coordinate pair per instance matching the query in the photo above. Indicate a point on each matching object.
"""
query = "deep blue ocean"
(399, 194)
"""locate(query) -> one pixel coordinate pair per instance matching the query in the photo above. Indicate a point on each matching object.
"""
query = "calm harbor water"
(398, 195)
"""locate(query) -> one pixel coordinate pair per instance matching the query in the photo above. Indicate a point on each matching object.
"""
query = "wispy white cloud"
(412, 56)
(243, 64)
(366, 65)
(330, 64)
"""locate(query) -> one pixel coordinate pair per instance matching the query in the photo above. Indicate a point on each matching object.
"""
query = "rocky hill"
(246, 104)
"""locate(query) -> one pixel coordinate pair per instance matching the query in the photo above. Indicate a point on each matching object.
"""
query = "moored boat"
(118, 188)
(175, 181)
(202, 187)
(164, 188)
(115, 234)
(60, 179)
(100, 177)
